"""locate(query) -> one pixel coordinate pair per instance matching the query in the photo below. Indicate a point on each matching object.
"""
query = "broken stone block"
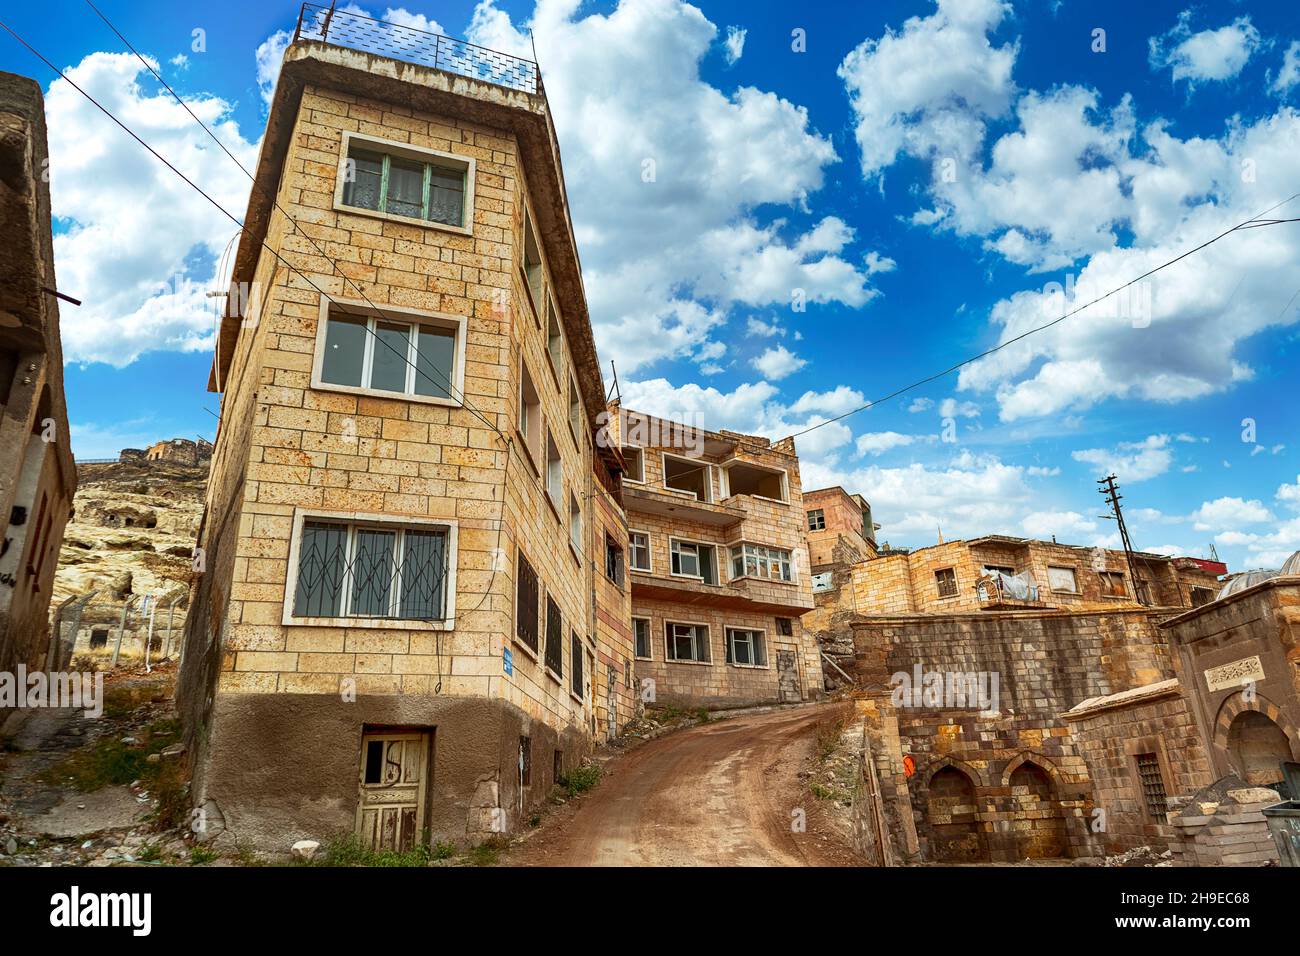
(304, 849)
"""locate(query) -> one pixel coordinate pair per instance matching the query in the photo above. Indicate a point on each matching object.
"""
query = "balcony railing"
(351, 30)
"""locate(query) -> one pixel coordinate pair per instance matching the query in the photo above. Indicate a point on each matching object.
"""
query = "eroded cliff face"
(132, 532)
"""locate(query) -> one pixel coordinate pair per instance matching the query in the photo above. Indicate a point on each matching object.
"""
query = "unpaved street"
(719, 794)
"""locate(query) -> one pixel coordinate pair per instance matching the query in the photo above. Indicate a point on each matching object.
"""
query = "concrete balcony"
(681, 507)
(742, 594)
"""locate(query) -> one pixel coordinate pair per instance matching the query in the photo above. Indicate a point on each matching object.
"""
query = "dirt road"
(719, 794)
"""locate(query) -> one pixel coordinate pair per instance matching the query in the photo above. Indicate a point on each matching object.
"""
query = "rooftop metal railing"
(351, 30)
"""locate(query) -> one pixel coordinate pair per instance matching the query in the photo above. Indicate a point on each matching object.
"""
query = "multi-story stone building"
(410, 615)
(718, 565)
(840, 529)
(37, 474)
(962, 576)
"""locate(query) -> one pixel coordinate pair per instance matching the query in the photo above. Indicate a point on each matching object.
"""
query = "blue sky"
(925, 177)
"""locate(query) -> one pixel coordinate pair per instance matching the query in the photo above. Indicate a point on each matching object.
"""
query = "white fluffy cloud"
(665, 173)
(877, 443)
(1217, 54)
(1288, 75)
(1226, 514)
(778, 362)
(1068, 526)
(930, 87)
(143, 287)
(967, 496)
(1131, 461)
(1080, 184)
(734, 44)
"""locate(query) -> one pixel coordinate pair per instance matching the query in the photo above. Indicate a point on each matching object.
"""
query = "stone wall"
(1222, 825)
(1240, 657)
(907, 583)
(1147, 730)
(1026, 789)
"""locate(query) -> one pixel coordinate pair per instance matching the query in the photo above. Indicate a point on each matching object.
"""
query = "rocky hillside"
(133, 530)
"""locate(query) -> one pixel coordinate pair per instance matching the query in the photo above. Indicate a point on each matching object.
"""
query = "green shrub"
(580, 779)
(346, 850)
(201, 854)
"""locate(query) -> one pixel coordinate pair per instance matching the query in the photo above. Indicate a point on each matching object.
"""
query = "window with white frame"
(554, 471)
(817, 520)
(575, 412)
(635, 461)
(746, 647)
(417, 357)
(686, 642)
(554, 339)
(641, 637)
(575, 523)
(414, 184)
(534, 271)
(529, 413)
(370, 569)
(638, 547)
(690, 559)
(758, 561)
(688, 476)
(745, 478)
(1062, 579)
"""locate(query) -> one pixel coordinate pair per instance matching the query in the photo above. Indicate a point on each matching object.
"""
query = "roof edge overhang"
(424, 89)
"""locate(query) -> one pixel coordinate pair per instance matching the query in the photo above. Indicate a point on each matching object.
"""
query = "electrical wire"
(266, 246)
(1251, 223)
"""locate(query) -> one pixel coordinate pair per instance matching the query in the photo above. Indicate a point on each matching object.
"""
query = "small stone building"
(37, 474)
(975, 701)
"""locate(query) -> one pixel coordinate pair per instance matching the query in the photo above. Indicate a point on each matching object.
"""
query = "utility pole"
(1110, 491)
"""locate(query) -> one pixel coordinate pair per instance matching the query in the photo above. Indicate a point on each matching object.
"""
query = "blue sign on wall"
(508, 660)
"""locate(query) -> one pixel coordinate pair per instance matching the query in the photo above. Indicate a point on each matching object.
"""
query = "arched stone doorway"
(955, 836)
(1037, 805)
(1257, 746)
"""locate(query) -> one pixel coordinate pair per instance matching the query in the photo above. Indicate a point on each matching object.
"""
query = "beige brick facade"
(722, 519)
(506, 473)
(908, 583)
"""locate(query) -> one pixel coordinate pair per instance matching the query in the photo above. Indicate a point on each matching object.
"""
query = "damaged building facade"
(37, 474)
(1019, 701)
(718, 565)
(408, 618)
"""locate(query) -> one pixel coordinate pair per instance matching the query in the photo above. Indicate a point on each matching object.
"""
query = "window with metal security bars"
(945, 579)
(526, 596)
(371, 571)
(405, 186)
(575, 674)
(554, 637)
(1153, 785)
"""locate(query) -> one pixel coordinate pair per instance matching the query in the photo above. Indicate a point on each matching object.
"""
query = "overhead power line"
(1252, 223)
(451, 389)
(267, 247)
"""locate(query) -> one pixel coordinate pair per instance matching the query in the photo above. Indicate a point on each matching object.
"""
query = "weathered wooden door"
(390, 810)
(787, 676)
